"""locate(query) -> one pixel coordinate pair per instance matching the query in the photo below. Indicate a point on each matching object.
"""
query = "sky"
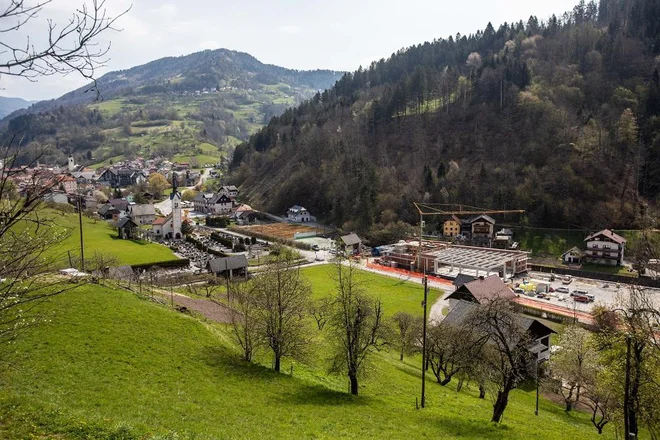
(298, 34)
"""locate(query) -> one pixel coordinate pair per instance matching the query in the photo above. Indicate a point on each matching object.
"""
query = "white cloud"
(290, 29)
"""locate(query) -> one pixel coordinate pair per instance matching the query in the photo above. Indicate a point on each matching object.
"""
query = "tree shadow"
(467, 427)
(318, 395)
(227, 362)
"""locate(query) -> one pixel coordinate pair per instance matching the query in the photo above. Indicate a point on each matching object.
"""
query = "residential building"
(605, 247)
(230, 191)
(452, 227)
(299, 214)
(222, 204)
(122, 177)
(351, 243)
(142, 214)
(482, 226)
(483, 290)
(538, 332)
(213, 203)
(573, 255)
(202, 201)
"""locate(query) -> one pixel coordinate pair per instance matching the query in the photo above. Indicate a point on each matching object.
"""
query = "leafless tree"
(243, 310)
(603, 402)
(507, 357)
(405, 323)
(357, 322)
(283, 297)
(320, 310)
(452, 349)
(70, 47)
(206, 286)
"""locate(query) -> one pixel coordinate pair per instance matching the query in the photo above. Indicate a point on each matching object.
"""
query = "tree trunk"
(569, 405)
(444, 381)
(482, 391)
(277, 363)
(401, 357)
(459, 386)
(500, 405)
(354, 384)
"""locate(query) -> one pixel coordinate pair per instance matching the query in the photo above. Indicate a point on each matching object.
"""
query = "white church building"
(169, 227)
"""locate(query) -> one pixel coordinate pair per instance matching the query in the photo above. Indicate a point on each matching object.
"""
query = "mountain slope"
(189, 108)
(560, 118)
(8, 105)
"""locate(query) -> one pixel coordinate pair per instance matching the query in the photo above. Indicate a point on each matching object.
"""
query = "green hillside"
(109, 365)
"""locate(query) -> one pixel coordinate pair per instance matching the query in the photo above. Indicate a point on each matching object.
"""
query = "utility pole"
(82, 244)
(424, 343)
(536, 412)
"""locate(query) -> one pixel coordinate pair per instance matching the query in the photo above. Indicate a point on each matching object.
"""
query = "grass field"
(109, 365)
(99, 236)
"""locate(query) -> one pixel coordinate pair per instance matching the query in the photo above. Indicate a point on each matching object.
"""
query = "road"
(165, 207)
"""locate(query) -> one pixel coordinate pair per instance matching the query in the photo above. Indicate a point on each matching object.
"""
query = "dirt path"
(207, 308)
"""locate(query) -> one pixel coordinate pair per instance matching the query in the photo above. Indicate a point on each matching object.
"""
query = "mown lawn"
(109, 365)
(100, 237)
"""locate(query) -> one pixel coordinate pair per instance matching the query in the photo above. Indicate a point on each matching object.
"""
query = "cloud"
(289, 29)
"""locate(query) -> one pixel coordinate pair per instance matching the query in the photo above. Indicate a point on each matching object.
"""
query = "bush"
(239, 247)
(226, 242)
(217, 222)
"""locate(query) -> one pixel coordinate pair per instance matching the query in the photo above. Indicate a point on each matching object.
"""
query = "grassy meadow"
(100, 237)
(110, 365)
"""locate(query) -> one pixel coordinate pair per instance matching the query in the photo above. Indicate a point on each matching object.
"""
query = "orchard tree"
(244, 317)
(357, 323)
(157, 184)
(405, 324)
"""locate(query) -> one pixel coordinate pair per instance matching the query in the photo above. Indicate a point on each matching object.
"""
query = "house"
(234, 265)
(299, 214)
(108, 212)
(482, 226)
(351, 243)
(605, 247)
(126, 228)
(573, 255)
(122, 177)
(202, 201)
(483, 290)
(230, 191)
(539, 332)
(221, 204)
(461, 279)
(120, 204)
(452, 227)
(142, 214)
(67, 184)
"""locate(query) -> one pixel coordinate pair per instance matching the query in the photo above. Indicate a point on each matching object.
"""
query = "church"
(169, 227)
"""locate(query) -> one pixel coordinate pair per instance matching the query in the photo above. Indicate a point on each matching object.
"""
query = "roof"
(462, 278)
(608, 234)
(126, 222)
(351, 239)
(227, 263)
(463, 309)
(484, 290)
(161, 220)
(485, 217)
(103, 210)
(146, 209)
(296, 208)
(222, 198)
(575, 250)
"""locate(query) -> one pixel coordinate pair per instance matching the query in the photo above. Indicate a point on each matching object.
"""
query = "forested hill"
(192, 108)
(208, 69)
(558, 117)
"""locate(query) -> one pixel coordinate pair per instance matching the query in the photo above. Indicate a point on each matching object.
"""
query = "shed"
(228, 266)
(126, 228)
(352, 243)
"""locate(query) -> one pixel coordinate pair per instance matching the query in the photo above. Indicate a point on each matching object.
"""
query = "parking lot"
(605, 293)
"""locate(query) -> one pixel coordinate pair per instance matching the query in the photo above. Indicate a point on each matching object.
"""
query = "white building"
(299, 214)
(169, 227)
(605, 247)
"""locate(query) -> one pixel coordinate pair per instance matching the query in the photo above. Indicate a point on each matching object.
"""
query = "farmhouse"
(142, 214)
(452, 227)
(122, 177)
(573, 255)
(299, 214)
(539, 332)
(605, 247)
(482, 226)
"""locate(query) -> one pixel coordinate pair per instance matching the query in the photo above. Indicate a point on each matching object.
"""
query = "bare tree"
(357, 322)
(320, 310)
(506, 353)
(206, 286)
(452, 349)
(70, 47)
(405, 323)
(574, 365)
(243, 312)
(602, 399)
(283, 297)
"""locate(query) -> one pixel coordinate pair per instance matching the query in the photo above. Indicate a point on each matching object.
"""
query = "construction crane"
(449, 210)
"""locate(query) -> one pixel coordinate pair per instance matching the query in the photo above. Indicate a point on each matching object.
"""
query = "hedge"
(183, 262)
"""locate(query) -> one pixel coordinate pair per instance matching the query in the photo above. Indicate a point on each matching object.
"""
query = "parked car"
(551, 289)
(580, 292)
(581, 298)
(518, 291)
(561, 297)
(315, 247)
(562, 289)
(567, 279)
(543, 295)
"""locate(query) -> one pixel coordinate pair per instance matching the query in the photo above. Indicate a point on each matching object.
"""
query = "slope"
(210, 100)
(558, 117)
(9, 105)
(109, 365)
